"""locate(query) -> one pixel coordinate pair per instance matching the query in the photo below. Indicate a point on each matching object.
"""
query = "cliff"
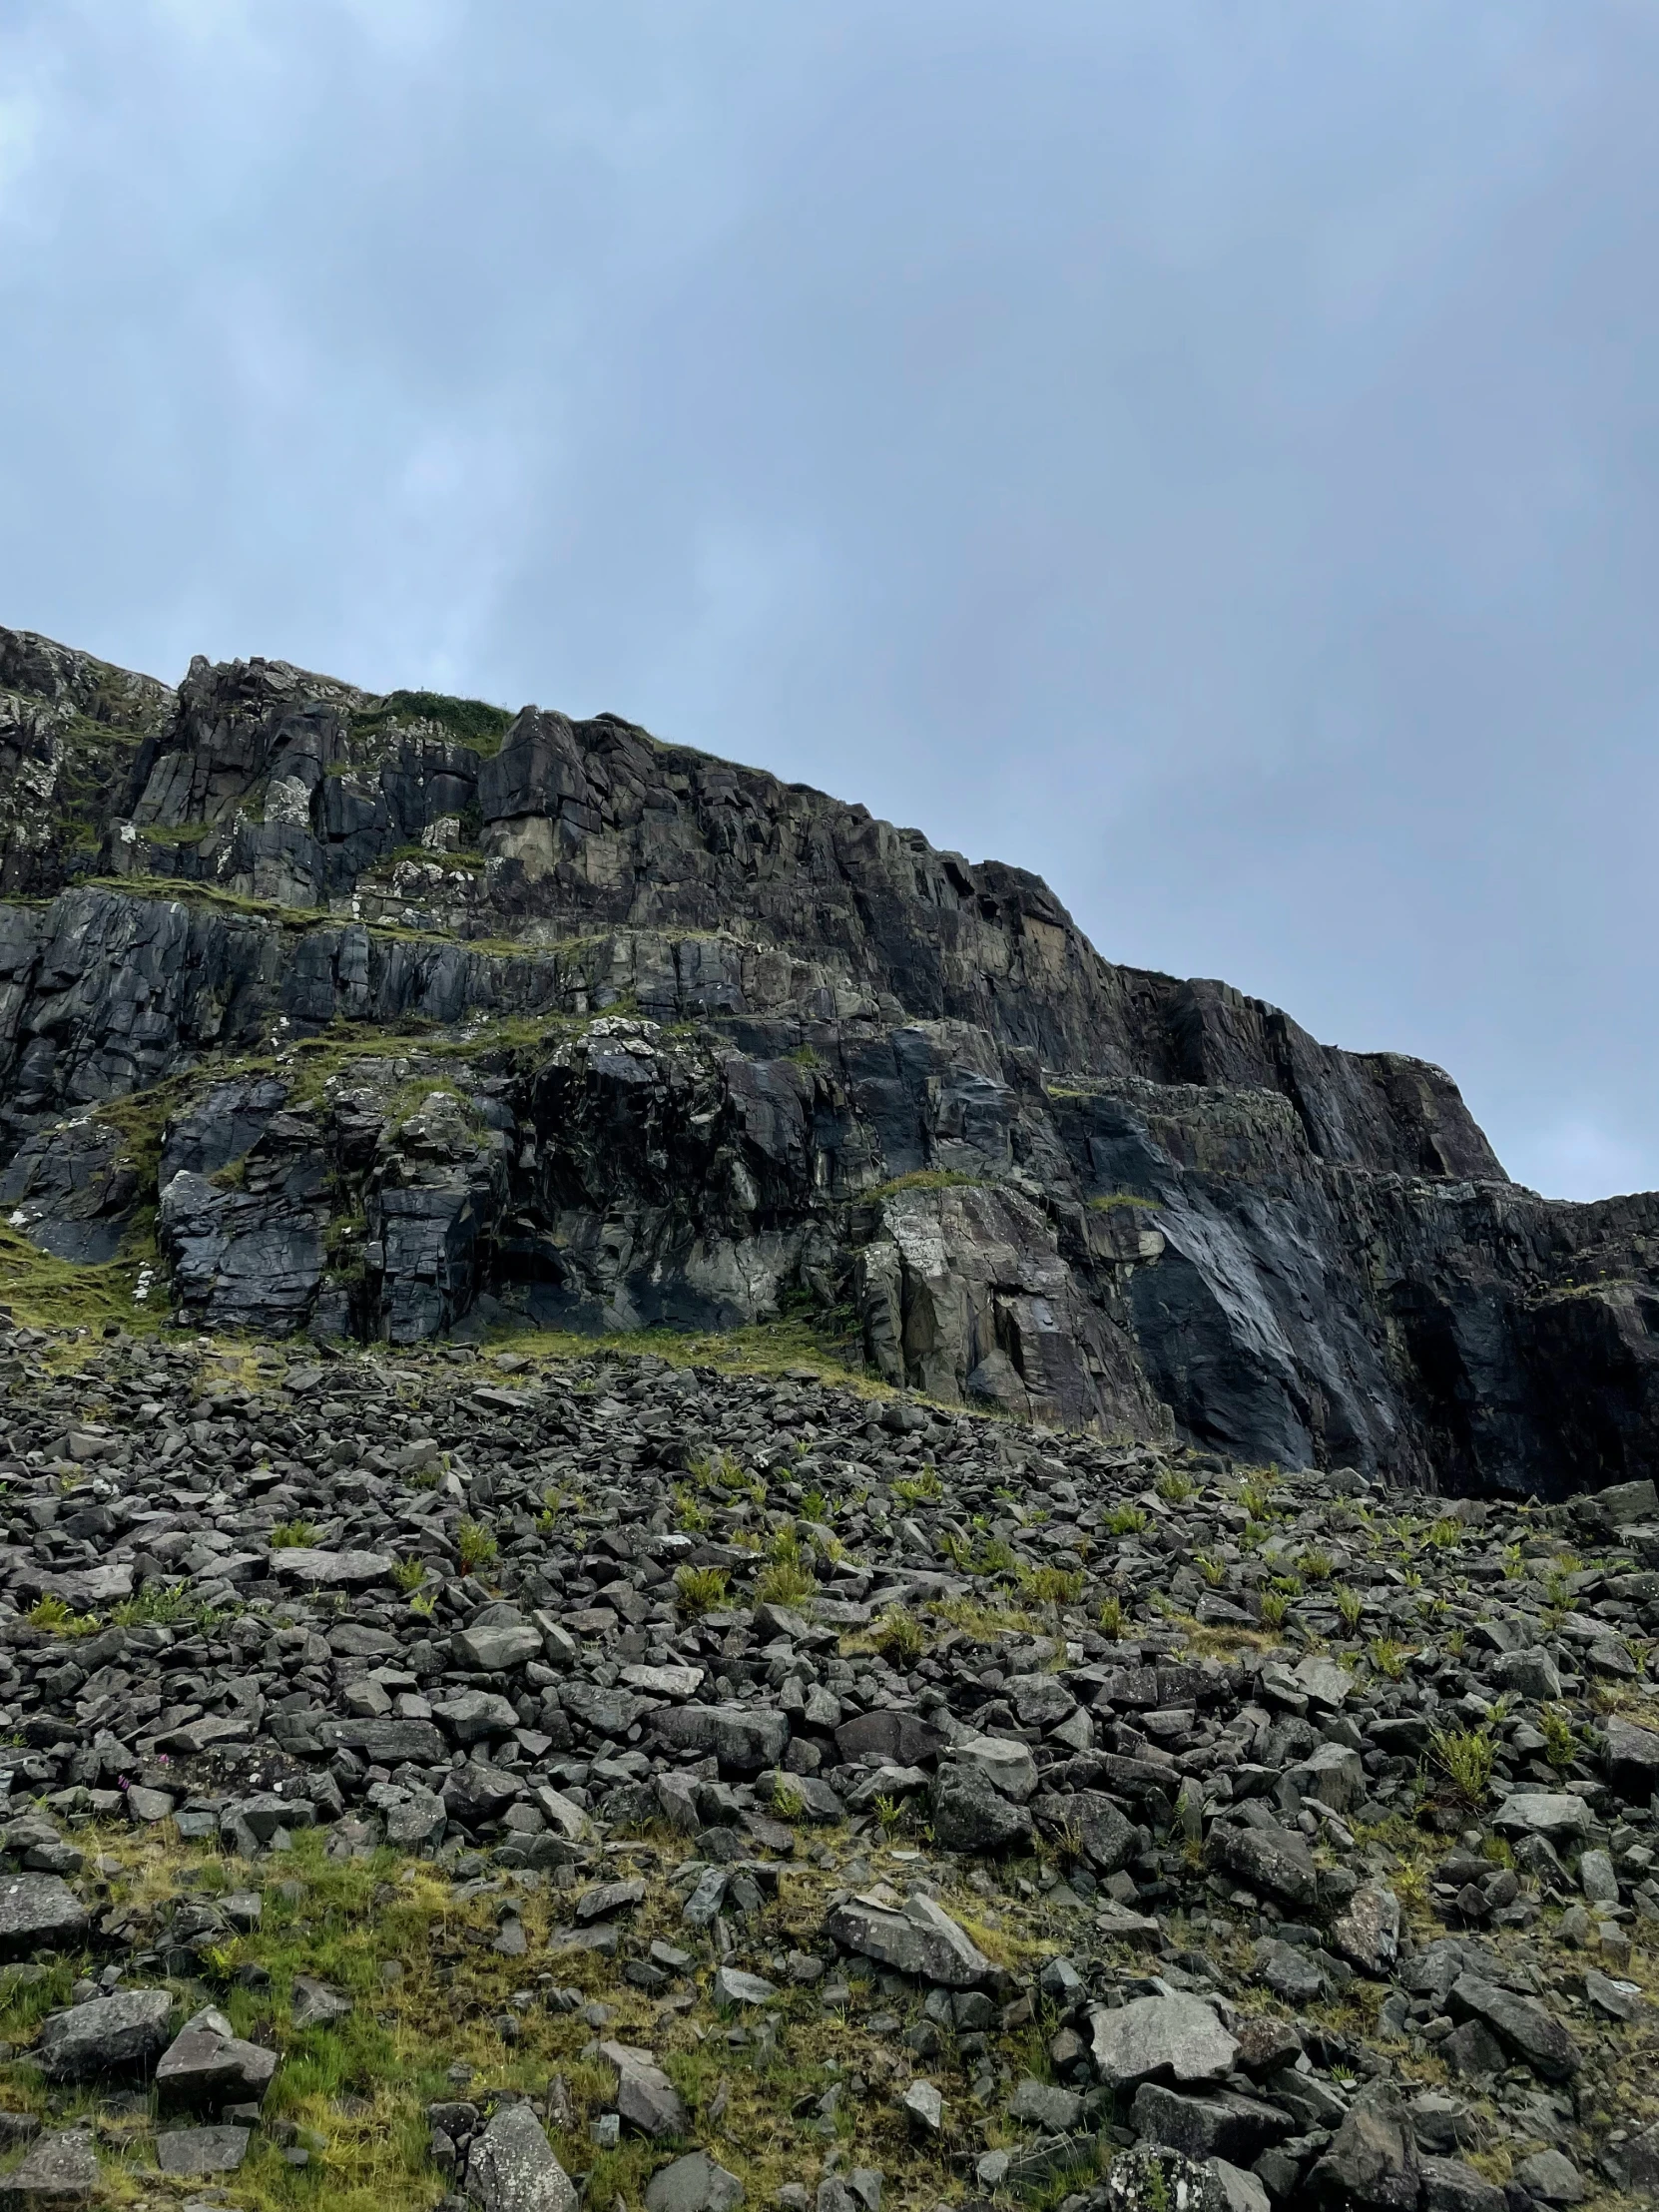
(396, 1017)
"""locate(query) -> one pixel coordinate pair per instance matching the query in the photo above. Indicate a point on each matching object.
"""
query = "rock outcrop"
(388, 1017)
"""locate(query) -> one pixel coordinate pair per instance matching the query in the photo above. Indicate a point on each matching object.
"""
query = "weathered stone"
(742, 1738)
(496, 1650)
(122, 2033)
(37, 1911)
(332, 1570)
(1631, 1758)
(645, 2097)
(921, 1939)
(1224, 2125)
(207, 2066)
(1273, 1860)
(58, 2172)
(1373, 2159)
(512, 2166)
(1520, 2023)
(970, 1813)
(1150, 2038)
(1555, 1816)
(315, 2004)
(1551, 2177)
(1449, 2185)
(694, 2183)
(1369, 1932)
(193, 2153)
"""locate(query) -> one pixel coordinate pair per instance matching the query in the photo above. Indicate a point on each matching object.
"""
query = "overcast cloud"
(1207, 453)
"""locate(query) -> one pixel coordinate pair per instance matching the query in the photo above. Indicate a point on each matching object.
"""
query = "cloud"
(1203, 454)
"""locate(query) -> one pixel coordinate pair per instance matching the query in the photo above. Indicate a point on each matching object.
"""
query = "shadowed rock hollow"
(386, 1017)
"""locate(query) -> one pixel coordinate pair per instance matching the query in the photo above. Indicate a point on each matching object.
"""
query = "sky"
(1206, 452)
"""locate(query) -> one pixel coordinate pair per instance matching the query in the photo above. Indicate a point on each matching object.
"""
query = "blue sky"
(1206, 453)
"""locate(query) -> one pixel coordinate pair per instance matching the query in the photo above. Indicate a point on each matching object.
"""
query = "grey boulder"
(1178, 2036)
(193, 2152)
(512, 2168)
(1520, 2023)
(694, 2183)
(742, 1738)
(921, 1939)
(971, 1814)
(123, 2033)
(38, 1911)
(58, 2172)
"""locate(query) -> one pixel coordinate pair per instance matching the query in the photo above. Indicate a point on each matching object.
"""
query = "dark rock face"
(464, 1015)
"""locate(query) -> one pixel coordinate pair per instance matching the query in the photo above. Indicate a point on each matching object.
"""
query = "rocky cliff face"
(392, 1017)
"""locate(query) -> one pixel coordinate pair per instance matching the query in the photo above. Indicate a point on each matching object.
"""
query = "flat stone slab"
(197, 2151)
(332, 1570)
(59, 2171)
(1177, 2036)
(37, 1913)
(920, 1939)
(1544, 1813)
(123, 2033)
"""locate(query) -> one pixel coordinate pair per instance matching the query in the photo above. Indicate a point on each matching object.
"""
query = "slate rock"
(315, 2004)
(1551, 2177)
(920, 1939)
(193, 2153)
(473, 1716)
(58, 2172)
(1041, 2104)
(1630, 1758)
(1008, 1766)
(496, 1650)
(38, 1911)
(1520, 2023)
(1531, 1673)
(388, 1740)
(1449, 2185)
(1273, 1861)
(207, 2066)
(1150, 2038)
(694, 2183)
(1153, 2180)
(745, 1739)
(971, 1815)
(1368, 1933)
(123, 2033)
(1226, 2124)
(645, 2098)
(1373, 2159)
(1558, 1817)
(902, 1739)
(511, 2166)
(332, 1570)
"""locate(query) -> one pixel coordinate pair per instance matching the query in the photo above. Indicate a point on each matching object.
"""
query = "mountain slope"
(396, 1017)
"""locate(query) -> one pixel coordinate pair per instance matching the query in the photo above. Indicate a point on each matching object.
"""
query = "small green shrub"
(1110, 1620)
(1051, 1585)
(475, 1546)
(1126, 1520)
(1461, 1761)
(700, 1589)
(899, 1636)
(293, 1535)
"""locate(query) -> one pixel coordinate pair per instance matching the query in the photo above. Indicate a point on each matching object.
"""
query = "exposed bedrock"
(400, 1016)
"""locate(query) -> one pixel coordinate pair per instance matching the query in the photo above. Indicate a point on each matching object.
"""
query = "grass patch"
(923, 1179)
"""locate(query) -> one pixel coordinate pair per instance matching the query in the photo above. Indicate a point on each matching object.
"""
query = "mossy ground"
(430, 1993)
